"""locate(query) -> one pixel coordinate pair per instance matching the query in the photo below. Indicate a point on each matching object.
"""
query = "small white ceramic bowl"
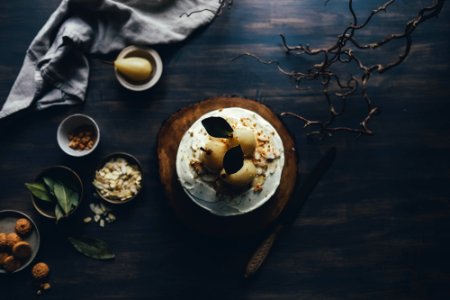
(68, 126)
(155, 60)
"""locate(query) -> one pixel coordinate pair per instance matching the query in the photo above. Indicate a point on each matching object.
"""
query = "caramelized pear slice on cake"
(241, 178)
(213, 154)
(245, 137)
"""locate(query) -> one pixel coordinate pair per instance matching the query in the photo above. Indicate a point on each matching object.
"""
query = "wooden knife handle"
(261, 252)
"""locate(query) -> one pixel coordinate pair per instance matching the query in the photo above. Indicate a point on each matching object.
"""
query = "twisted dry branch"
(222, 5)
(343, 53)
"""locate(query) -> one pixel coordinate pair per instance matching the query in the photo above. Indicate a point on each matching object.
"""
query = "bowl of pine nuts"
(78, 135)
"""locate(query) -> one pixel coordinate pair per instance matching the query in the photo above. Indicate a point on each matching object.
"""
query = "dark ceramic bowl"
(64, 174)
(8, 220)
(132, 161)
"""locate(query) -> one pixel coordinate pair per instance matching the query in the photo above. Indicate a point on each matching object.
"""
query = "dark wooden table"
(376, 227)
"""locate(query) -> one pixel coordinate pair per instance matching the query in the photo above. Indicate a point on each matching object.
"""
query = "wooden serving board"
(169, 137)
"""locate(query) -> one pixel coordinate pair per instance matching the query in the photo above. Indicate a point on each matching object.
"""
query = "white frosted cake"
(209, 183)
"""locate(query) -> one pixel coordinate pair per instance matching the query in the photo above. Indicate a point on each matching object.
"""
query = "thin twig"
(341, 52)
(223, 4)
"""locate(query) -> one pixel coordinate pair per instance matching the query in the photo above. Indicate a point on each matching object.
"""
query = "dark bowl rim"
(72, 172)
(131, 159)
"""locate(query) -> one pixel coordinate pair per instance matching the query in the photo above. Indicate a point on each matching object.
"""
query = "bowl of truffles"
(78, 135)
(118, 178)
(19, 241)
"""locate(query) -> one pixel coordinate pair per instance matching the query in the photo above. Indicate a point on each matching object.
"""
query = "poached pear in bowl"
(138, 69)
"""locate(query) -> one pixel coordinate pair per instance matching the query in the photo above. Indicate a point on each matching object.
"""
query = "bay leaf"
(58, 213)
(50, 183)
(62, 196)
(39, 191)
(217, 127)
(90, 247)
(233, 160)
(72, 194)
(74, 199)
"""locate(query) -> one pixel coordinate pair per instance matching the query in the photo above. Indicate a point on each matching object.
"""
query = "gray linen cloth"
(55, 70)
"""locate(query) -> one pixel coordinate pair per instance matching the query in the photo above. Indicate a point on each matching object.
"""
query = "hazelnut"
(22, 250)
(12, 238)
(40, 270)
(3, 256)
(23, 226)
(11, 264)
(3, 240)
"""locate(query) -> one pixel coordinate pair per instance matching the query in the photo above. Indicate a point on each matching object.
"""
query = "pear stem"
(107, 62)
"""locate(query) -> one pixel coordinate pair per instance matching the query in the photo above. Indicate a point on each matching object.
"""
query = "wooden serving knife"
(291, 212)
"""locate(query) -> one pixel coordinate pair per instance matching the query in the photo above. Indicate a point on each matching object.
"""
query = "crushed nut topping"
(102, 215)
(82, 138)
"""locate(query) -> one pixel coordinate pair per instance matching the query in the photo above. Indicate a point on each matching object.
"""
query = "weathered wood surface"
(376, 227)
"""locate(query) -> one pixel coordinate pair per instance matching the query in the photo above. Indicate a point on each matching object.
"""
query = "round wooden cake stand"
(169, 138)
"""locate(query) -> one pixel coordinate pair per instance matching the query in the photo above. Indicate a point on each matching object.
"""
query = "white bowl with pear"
(230, 161)
(137, 68)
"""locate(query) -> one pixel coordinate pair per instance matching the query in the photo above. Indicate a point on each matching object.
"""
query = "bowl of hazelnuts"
(78, 135)
(19, 241)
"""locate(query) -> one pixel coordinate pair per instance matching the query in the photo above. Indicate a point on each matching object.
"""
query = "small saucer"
(155, 60)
